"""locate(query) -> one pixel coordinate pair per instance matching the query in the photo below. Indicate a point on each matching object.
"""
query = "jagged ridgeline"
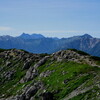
(37, 43)
(64, 75)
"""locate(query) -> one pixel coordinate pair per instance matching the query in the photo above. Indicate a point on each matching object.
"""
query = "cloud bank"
(3, 28)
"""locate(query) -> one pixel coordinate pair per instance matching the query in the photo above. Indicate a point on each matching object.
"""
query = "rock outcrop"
(67, 74)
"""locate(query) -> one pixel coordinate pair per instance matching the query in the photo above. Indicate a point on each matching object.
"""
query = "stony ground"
(64, 75)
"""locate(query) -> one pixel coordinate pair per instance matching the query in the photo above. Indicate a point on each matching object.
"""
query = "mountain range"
(37, 43)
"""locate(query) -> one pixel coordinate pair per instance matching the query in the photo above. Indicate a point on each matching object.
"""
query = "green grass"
(89, 95)
(76, 74)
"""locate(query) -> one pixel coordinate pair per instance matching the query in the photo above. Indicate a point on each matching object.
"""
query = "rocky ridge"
(61, 75)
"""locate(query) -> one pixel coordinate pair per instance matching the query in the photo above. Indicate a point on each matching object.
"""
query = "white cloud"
(3, 28)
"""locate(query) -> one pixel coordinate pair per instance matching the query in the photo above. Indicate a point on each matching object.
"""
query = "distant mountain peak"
(24, 34)
(32, 36)
(87, 36)
(37, 35)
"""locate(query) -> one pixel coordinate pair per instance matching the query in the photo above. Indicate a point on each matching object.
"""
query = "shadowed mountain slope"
(37, 43)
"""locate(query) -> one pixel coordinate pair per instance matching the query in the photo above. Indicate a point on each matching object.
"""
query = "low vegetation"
(59, 78)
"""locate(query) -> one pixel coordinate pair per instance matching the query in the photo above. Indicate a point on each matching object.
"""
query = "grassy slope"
(76, 74)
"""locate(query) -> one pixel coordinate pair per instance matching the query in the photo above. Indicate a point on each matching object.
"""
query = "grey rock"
(46, 74)
(41, 62)
(31, 92)
(30, 74)
(8, 63)
(32, 98)
(47, 96)
(59, 59)
(26, 65)
(8, 75)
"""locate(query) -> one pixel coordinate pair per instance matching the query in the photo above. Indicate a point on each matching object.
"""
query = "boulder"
(30, 92)
(47, 96)
(8, 63)
(26, 65)
(30, 74)
(41, 62)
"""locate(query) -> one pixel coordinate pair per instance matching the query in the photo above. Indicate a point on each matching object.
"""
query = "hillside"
(37, 43)
(64, 75)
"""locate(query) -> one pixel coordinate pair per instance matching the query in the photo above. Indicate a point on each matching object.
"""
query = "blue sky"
(57, 18)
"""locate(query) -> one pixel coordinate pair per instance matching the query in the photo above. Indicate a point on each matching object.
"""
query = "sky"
(52, 18)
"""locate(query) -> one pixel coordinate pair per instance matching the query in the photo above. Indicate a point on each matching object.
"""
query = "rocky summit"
(64, 75)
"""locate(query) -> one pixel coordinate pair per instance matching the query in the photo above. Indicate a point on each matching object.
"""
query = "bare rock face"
(41, 62)
(30, 74)
(31, 91)
(32, 71)
(26, 65)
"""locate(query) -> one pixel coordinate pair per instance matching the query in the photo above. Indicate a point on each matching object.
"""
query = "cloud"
(3, 28)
